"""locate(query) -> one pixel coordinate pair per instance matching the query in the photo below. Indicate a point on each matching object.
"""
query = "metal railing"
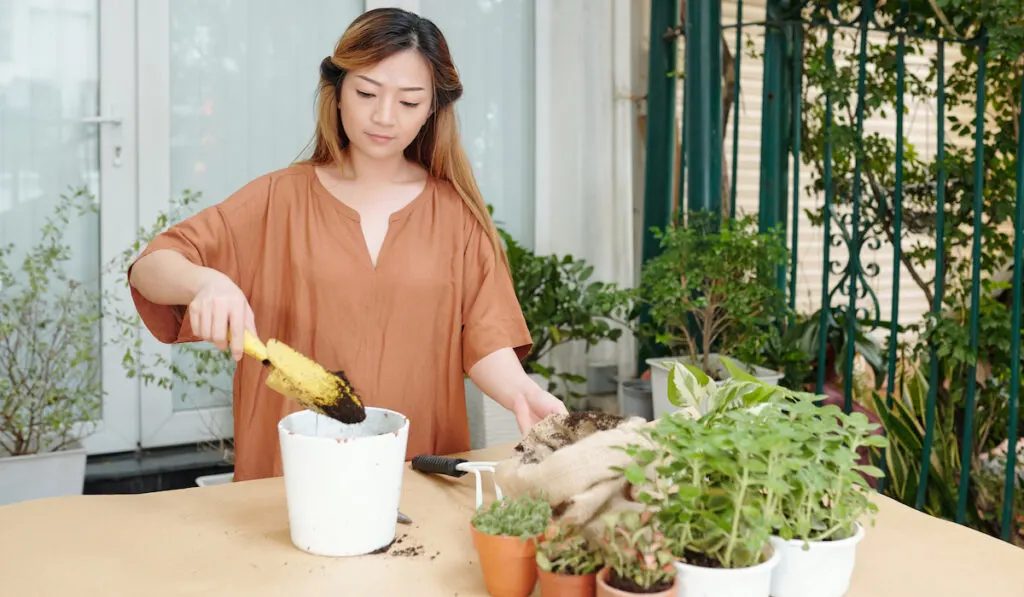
(957, 204)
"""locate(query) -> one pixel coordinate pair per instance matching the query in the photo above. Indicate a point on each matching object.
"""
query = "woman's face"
(383, 107)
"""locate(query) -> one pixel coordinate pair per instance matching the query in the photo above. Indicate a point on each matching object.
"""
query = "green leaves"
(561, 304)
(711, 288)
(524, 517)
(565, 550)
(756, 460)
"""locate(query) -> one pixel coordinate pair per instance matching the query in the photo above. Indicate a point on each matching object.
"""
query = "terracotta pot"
(566, 585)
(605, 590)
(508, 564)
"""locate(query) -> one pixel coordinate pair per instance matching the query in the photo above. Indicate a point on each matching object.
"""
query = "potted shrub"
(567, 563)
(711, 292)
(716, 473)
(50, 383)
(505, 534)
(637, 556)
(820, 524)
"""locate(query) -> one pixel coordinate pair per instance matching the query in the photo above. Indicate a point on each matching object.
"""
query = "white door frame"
(118, 430)
(159, 423)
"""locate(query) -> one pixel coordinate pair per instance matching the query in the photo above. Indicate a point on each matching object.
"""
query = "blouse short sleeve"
(492, 318)
(210, 238)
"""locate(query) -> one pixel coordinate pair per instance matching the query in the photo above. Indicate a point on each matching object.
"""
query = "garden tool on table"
(456, 467)
(302, 379)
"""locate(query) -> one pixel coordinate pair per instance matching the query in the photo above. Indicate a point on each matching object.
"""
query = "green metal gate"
(954, 219)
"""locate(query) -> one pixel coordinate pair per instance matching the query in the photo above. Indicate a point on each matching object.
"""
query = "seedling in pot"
(637, 555)
(820, 523)
(505, 535)
(568, 562)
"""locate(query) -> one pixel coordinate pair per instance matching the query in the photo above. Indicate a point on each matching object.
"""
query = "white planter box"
(755, 581)
(659, 378)
(491, 424)
(35, 476)
(823, 569)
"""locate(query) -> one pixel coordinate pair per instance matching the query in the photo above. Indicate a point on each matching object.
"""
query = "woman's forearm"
(500, 375)
(165, 277)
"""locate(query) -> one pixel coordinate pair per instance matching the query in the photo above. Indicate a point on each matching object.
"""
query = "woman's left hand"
(533, 406)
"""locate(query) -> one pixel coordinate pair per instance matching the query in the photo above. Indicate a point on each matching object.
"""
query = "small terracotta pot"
(606, 590)
(509, 564)
(566, 585)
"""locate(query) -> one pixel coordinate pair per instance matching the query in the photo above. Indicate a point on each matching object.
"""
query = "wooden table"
(233, 540)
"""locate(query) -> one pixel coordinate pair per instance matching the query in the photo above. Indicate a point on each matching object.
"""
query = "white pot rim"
(756, 569)
(284, 426)
(825, 545)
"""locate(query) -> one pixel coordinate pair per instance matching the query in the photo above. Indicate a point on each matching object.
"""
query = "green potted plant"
(820, 523)
(50, 383)
(637, 556)
(711, 292)
(561, 304)
(716, 473)
(505, 536)
(567, 562)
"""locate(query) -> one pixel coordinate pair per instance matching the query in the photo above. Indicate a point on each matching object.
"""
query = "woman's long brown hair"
(372, 37)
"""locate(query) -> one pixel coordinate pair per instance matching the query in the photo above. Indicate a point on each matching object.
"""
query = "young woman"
(376, 256)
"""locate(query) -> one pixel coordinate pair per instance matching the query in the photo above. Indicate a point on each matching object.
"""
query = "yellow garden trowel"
(302, 379)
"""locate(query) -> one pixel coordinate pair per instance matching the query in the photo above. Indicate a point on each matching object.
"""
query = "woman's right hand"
(220, 307)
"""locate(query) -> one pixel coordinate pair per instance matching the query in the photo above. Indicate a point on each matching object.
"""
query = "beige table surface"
(233, 540)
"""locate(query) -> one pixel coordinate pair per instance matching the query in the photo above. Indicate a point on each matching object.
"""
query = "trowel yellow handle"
(253, 347)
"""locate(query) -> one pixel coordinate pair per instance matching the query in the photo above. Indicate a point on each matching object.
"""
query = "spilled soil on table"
(404, 547)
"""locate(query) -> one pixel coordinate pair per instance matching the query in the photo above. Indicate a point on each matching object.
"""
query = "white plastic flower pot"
(752, 581)
(343, 483)
(821, 569)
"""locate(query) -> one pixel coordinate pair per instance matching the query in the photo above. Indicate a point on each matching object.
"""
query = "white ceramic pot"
(660, 371)
(823, 569)
(753, 581)
(343, 483)
(43, 475)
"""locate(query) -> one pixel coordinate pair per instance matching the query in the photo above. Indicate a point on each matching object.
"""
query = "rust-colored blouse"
(404, 332)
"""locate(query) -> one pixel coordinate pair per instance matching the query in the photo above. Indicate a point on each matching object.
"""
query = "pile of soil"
(558, 431)
(399, 548)
(627, 585)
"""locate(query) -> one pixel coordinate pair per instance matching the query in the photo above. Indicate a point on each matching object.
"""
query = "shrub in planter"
(567, 563)
(820, 524)
(751, 465)
(50, 383)
(637, 555)
(505, 534)
(712, 290)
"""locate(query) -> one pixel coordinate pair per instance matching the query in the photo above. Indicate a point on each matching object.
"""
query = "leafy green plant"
(718, 488)
(828, 491)
(564, 550)
(637, 552)
(525, 517)
(50, 342)
(748, 460)
(711, 289)
(562, 304)
(50, 384)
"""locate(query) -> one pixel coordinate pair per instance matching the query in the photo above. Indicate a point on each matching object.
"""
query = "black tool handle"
(440, 465)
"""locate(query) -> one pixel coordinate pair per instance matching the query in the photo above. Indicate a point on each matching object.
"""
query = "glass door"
(228, 94)
(67, 129)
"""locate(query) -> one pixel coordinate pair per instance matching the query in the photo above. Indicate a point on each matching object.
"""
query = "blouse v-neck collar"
(349, 212)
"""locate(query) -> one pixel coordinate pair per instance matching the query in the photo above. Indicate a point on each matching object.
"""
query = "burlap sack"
(568, 459)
